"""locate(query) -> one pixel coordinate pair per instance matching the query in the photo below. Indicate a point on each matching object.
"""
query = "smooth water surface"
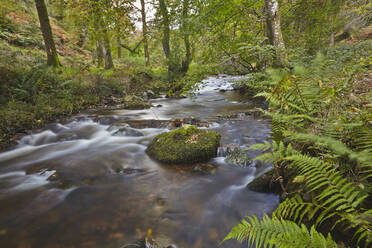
(89, 183)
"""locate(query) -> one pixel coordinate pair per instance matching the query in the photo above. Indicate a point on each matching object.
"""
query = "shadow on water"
(89, 183)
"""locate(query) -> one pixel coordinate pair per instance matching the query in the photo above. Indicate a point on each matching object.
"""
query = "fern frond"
(337, 147)
(279, 233)
(296, 209)
(335, 192)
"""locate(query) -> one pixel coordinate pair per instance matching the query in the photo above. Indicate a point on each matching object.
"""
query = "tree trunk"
(99, 51)
(274, 33)
(186, 37)
(166, 29)
(83, 38)
(144, 32)
(107, 50)
(52, 56)
(172, 68)
(118, 40)
(99, 47)
(332, 40)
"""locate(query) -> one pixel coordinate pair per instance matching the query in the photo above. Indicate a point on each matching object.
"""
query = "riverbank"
(321, 150)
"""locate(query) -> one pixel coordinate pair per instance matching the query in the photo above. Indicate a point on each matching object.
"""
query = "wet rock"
(223, 150)
(159, 241)
(129, 171)
(238, 157)
(60, 181)
(139, 124)
(189, 121)
(255, 112)
(186, 145)
(265, 183)
(206, 169)
(127, 131)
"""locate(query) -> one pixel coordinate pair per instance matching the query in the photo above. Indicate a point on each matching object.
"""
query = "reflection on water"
(89, 183)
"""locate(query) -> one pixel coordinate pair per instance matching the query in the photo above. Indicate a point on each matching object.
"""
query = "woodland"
(310, 60)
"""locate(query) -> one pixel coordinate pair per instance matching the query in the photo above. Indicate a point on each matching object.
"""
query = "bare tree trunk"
(332, 40)
(186, 37)
(166, 29)
(274, 33)
(144, 32)
(99, 51)
(52, 56)
(118, 40)
(166, 36)
(99, 47)
(107, 50)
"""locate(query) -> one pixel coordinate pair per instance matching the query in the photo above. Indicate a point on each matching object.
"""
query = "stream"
(89, 183)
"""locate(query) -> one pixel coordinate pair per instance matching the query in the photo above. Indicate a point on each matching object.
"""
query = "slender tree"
(107, 50)
(186, 37)
(52, 56)
(83, 37)
(99, 46)
(102, 37)
(165, 25)
(166, 37)
(144, 32)
(273, 31)
(118, 42)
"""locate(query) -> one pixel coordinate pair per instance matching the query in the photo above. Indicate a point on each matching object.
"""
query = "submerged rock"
(186, 145)
(153, 242)
(127, 131)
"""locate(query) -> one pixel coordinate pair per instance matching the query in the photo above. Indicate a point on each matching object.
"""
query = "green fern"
(278, 233)
(336, 191)
(337, 147)
(329, 142)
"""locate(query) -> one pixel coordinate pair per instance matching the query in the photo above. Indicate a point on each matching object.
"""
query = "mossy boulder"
(186, 145)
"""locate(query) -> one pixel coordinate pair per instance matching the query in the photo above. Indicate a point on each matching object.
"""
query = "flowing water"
(89, 182)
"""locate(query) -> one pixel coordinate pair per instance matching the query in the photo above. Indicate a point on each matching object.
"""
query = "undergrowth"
(322, 133)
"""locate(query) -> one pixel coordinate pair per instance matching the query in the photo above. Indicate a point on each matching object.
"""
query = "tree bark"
(52, 56)
(274, 33)
(332, 40)
(172, 67)
(107, 50)
(144, 32)
(118, 40)
(99, 46)
(99, 51)
(166, 29)
(186, 37)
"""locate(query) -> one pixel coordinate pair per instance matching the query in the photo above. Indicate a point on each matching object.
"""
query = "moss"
(185, 145)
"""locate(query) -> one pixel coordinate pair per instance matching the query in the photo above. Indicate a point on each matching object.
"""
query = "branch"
(134, 50)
